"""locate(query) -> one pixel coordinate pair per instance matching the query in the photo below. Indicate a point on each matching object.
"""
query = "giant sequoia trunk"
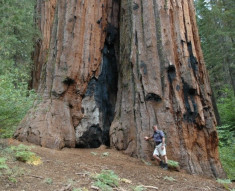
(107, 71)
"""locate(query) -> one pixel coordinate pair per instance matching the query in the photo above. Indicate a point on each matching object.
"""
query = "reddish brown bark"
(161, 80)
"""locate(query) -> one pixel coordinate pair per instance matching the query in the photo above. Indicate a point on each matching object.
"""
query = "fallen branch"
(94, 188)
(82, 174)
(35, 176)
(151, 187)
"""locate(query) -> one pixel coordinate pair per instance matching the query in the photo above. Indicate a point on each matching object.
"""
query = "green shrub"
(227, 157)
(3, 164)
(48, 181)
(14, 102)
(173, 163)
(18, 35)
(226, 107)
(169, 178)
(106, 180)
(224, 181)
(23, 153)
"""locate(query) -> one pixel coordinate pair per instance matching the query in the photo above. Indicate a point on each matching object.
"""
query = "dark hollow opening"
(104, 89)
(91, 138)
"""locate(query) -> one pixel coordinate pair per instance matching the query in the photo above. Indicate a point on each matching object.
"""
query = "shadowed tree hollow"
(107, 70)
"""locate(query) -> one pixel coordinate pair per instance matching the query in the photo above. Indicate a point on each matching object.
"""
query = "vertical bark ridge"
(186, 118)
(44, 9)
(75, 40)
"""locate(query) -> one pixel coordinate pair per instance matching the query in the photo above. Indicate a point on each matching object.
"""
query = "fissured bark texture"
(163, 80)
(72, 60)
(97, 66)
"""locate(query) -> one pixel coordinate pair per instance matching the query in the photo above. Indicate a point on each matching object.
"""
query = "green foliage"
(14, 173)
(17, 36)
(14, 103)
(169, 178)
(217, 31)
(23, 154)
(106, 180)
(226, 107)
(224, 181)
(11, 173)
(226, 136)
(139, 188)
(17, 33)
(146, 162)
(173, 163)
(12, 179)
(227, 157)
(48, 181)
(3, 164)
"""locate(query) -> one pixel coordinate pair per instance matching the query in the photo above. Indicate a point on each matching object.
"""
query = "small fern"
(173, 163)
(106, 180)
(3, 164)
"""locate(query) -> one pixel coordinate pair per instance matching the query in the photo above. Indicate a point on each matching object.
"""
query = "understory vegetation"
(10, 154)
(17, 37)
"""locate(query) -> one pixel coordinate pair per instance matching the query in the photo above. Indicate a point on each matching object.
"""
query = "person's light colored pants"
(159, 151)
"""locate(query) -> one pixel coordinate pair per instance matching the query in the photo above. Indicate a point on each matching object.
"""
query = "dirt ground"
(73, 168)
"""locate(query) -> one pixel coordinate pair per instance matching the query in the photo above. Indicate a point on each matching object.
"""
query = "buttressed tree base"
(107, 70)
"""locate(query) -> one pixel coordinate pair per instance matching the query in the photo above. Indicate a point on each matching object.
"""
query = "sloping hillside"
(74, 169)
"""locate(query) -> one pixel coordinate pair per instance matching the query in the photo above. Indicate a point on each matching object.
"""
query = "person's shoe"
(165, 166)
(161, 164)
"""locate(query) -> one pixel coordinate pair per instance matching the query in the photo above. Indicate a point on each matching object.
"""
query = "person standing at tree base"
(160, 149)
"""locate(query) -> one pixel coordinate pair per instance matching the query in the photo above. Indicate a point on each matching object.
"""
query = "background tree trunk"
(160, 79)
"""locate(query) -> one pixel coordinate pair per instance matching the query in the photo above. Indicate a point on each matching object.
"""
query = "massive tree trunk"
(107, 76)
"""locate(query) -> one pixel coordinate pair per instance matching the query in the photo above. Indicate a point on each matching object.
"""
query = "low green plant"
(173, 163)
(15, 101)
(70, 181)
(227, 157)
(169, 178)
(23, 154)
(105, 154)
(106, 180)
(146, 162)
(14, 173)
(48, 181)
(139, 188)
(224, 181)
(3, 164)
(12, 179)
(227, 150)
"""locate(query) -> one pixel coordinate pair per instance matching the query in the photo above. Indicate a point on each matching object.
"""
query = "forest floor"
(74, 169)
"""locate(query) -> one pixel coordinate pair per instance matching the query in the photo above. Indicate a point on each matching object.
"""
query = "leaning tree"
(107, 70)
